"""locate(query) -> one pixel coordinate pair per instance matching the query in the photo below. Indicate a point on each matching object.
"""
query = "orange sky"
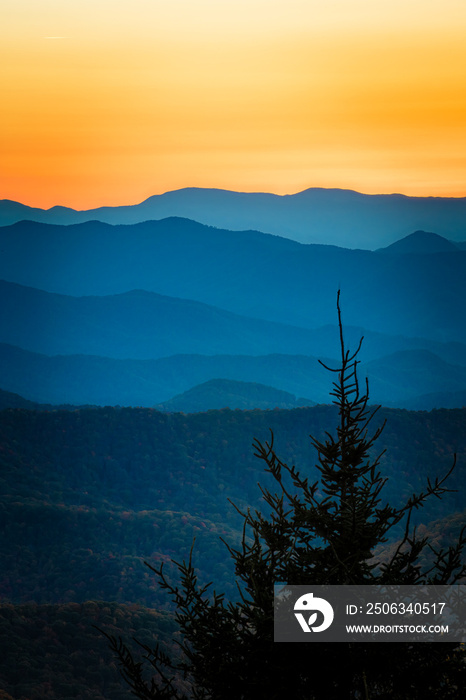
(108, 102)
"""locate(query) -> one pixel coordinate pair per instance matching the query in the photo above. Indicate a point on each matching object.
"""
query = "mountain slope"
(226, 393)
(422, 243)
(10, 400)
(330, 216)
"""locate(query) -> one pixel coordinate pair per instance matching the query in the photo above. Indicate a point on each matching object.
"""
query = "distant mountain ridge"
(142, 325)
(8, 399)
(211, 395)
(11, 400)
(136, 325)
(244, 272)
(138, 314)
(93, 313)
(395, 380)
(316, 215)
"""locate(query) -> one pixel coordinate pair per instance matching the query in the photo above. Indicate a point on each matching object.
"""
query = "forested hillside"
(89, 494)
(54, 651)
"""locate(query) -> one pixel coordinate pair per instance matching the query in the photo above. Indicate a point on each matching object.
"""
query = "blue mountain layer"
(247, 273)
(329, 216)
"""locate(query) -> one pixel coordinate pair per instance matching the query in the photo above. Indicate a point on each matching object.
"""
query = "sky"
(107, 102)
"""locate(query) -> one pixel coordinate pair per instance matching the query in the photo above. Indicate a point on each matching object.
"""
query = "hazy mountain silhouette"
(421, 242)
(85, 379)
(136, 325)
(410, 374)
(226, 393)
(10, 400)
(439, 399)
(92, 380)
(245, 272)
(145, 325)
(329, 216)
(254, 307)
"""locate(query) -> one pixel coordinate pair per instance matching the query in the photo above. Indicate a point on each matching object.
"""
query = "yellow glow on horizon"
(111, 102)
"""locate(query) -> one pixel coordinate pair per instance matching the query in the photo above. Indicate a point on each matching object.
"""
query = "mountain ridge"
(245, 272)
(100, 381)
(218, 393)
(317, 215)
(140, 324)
(421, 242)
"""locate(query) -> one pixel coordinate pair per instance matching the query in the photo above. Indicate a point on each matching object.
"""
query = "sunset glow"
(107, 103)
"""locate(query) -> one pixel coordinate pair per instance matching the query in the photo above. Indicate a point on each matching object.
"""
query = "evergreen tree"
(326, 531)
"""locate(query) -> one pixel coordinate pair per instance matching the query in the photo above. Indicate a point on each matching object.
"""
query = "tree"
(325, 531)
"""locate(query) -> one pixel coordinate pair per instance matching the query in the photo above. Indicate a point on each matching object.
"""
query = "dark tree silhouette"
(326, 531)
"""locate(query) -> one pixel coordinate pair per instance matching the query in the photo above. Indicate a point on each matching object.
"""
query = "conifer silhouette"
(322, 531)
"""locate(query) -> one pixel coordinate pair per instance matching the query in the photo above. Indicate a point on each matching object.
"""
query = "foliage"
(87, 495)
(323, 531)
(54, 651)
